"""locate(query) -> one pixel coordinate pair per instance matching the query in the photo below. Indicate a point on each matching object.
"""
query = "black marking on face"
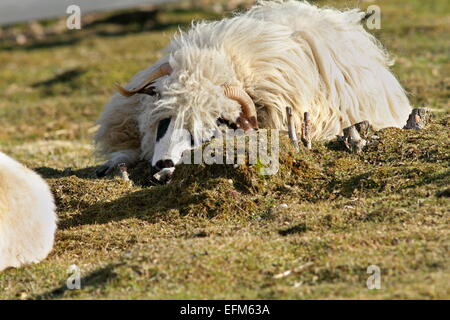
(229, 124)
(163, 125)
(161, 164)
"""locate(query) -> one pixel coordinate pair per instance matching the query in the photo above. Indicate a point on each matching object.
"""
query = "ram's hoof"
(355, 136)
(418, 119)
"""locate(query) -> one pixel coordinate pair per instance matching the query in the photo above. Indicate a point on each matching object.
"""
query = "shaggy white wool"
(27, 215)
(283, 53)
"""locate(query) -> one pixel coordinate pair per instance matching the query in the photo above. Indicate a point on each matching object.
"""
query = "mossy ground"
(220, 231)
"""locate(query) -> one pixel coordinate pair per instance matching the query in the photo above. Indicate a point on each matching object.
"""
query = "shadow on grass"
(150, 205)
(68, 80)
(112, 25)
(126, 18)
(335, 145)
(67, 76)
(443, 193)
(50, 42)
(299, 228)
(441, 181)
(140, 174)
(95, 280)
(189, 193)
(51, 173)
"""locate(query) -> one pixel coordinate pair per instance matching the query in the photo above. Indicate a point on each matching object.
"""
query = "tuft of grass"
(221, 231)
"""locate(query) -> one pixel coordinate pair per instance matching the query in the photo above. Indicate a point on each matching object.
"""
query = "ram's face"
(170, 143)
(187, 115)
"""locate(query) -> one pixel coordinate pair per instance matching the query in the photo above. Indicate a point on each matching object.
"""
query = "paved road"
(12, 11)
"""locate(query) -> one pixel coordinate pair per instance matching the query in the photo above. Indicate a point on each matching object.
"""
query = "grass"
(219, 231)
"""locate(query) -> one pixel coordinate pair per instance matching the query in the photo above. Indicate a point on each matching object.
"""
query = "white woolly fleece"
(27, 215)
(283, 53)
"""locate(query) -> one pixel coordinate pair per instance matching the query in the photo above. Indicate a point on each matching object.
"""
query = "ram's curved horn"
(163, 70)
(247, 119)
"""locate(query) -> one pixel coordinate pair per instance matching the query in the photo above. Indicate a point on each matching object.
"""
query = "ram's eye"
(151, 91)
(163, 125)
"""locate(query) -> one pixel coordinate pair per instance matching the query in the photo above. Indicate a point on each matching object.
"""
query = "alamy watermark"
(259, 148)
(374, 280)
(372, 19)
(74, 280)
(73, 21)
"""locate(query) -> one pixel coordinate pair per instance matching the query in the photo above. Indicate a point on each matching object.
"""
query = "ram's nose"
(163, 164)
(165, 169)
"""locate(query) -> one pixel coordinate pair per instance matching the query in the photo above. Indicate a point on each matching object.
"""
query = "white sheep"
(246, 70)
(27, 215)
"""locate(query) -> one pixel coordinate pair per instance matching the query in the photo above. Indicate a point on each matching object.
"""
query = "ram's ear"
(247, 119)
(163, 70)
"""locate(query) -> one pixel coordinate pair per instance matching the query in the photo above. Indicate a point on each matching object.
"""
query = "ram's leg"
(418, 119)
(129, 157)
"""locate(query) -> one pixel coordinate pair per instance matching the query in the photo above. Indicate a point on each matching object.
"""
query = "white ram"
(245, 70)
(27, 215)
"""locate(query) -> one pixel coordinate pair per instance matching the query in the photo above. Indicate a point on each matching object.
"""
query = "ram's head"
(187, 113)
